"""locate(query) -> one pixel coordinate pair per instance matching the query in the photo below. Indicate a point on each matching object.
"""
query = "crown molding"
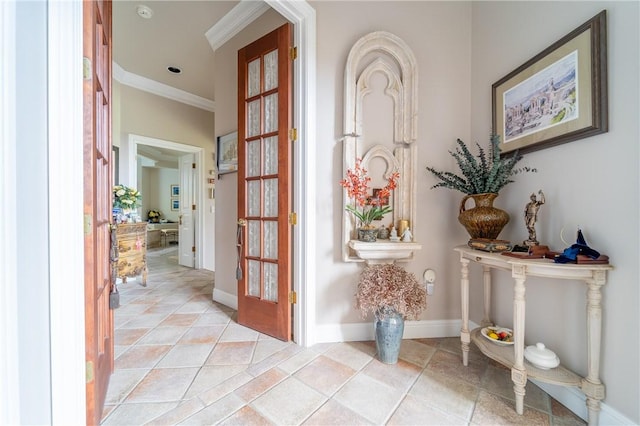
(142, 83)
(235, 21)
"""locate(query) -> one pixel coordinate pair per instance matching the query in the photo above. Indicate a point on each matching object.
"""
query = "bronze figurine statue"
(531, 216)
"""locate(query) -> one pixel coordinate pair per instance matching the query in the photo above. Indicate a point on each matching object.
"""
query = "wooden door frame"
(303, 18)
(9, 374)
(66, 236)
(63, 348)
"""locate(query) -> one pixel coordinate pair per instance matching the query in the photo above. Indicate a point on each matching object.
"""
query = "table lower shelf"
(505, 355)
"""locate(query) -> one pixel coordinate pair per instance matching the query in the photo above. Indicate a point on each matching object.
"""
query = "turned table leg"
(465, 336)
(591, 385)
(518, 372)
(486, 280)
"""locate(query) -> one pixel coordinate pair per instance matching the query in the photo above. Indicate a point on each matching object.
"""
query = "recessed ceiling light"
(174, 70)
(144, 11)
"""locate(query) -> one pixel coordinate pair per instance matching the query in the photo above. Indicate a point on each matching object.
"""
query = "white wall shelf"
(384, 251)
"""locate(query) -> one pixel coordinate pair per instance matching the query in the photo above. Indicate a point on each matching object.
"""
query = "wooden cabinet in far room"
(132, 251)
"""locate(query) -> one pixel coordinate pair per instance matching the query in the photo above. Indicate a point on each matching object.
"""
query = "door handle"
(239, 241)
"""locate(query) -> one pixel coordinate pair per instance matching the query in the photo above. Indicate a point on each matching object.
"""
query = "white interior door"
(186, 234)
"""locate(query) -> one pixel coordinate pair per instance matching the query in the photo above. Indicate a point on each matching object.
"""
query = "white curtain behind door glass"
(271, 70)
(254, 78)
(271, 155)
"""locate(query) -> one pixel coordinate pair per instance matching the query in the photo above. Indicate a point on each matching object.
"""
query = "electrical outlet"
(429, 277)
(430, 289)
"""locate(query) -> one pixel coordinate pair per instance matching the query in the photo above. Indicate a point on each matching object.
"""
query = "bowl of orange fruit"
(499, 335)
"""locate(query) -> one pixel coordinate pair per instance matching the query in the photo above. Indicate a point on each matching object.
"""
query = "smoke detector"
(144, 11)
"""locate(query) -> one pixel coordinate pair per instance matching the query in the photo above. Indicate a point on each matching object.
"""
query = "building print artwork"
(544, 100)
(227, 153)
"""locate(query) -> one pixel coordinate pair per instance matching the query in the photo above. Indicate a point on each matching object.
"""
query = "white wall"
(156, 185)
(439, 35)
(592, 183)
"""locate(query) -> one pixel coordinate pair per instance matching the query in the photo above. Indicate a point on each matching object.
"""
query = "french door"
(264, 187)
(97, 202)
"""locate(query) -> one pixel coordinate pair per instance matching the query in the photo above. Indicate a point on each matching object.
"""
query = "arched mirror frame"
(389, 55)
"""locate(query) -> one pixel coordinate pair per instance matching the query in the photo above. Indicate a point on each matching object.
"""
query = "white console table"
(594, 275)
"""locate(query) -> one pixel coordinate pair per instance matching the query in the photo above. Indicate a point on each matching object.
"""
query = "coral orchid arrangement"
(365, 207)
(390, 286)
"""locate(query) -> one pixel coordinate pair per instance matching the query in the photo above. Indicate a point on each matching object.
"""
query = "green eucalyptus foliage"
(482, 173)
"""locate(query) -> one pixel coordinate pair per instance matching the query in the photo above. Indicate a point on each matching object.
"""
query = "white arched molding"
(383, 53)
(383, 45)
(393, 90)
(381, 151)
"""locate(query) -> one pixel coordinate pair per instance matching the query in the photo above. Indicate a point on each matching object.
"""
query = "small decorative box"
(485, 244)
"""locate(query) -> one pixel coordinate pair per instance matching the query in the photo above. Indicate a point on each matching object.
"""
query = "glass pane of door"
(271, 113)
(271, 240)
(254, 238)
(271, 70)
(253, 119)
(271, 197)
(254, 78)
(254, 278)
(253, 158)
(271, 155)
(271, 282)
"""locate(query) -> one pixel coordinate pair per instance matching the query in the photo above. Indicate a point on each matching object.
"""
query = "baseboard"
(574, 400)
(227, 299)
(364, 331)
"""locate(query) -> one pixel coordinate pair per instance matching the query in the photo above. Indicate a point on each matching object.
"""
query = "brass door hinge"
(293, 134)
(193, 249)
(89, 371)
(193, 206)
(293, 297)
(293, 218)
(86, 68)
(293, 53)
(88, 224)
(193, 165)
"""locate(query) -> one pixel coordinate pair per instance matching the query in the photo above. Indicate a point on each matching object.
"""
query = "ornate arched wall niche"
(381, 53)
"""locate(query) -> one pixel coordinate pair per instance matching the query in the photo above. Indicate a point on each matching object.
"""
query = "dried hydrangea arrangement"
(390, 286)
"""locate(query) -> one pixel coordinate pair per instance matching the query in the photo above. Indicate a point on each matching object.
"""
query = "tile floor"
(182, 359)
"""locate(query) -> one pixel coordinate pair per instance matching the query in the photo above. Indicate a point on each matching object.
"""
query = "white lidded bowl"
(541, 357)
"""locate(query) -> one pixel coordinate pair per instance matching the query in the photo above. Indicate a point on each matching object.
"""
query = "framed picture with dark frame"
(175, 190)
(558, 96)
(227, 153)
(382, 201)
(175, 204)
